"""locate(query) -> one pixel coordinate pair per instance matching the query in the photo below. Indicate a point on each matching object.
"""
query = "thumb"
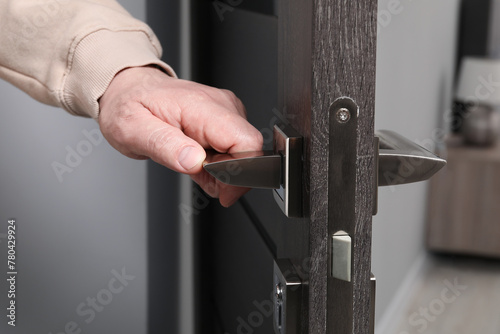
(167, 145)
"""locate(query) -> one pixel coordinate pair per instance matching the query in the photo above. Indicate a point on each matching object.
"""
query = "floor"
(455, 295)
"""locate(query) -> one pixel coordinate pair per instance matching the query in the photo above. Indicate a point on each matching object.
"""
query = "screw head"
(279, 292)
(343, 115)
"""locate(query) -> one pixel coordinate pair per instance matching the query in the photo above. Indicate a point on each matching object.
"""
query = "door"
(310, 65)
(306, 72)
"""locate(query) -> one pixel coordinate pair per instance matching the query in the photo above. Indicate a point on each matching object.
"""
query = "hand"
(145, 113)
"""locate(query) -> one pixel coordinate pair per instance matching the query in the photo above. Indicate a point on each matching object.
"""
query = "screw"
(279, 293)
(343, 115)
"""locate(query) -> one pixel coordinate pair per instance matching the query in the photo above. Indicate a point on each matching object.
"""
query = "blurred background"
(74, 228)
(435, 244)
(428, 235)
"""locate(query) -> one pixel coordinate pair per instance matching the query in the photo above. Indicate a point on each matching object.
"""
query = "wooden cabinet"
(464, 203)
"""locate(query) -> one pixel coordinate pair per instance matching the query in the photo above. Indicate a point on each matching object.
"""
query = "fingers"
(239, 106)
(227, 194)
(170, 147)
(172, 121)
(146, 135)
(221, 129)
(215, 118)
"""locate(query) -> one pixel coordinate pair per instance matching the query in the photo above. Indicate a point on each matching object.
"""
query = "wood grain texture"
(343, 53)
(326, 50)
(338, 61)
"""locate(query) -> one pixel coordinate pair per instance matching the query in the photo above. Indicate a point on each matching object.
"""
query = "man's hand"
(145, 113)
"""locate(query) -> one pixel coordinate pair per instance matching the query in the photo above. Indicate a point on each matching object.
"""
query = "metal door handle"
(399, 161)
(260, 169)
(279, 169)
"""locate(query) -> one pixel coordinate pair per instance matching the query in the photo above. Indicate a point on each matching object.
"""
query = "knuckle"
(126, 111)
(229, 94)
(257, 138)
(231, 97)
(201, 96)
(236, 103)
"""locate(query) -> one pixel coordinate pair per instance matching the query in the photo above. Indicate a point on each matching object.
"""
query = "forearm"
(66, 52)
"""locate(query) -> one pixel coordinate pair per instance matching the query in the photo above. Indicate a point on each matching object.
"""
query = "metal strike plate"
(288, 287)
(280, 169)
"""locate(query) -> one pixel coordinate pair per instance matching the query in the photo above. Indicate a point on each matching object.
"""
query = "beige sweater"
(66, 52)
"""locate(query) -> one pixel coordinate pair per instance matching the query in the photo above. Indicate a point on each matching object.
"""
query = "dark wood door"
(289, 61)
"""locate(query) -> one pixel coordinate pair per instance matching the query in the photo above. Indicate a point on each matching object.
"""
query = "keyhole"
(280, 315)
(279, 301)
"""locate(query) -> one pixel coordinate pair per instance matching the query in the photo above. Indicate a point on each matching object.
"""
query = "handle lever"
(280, 169)
(261, 169)
(402, 161)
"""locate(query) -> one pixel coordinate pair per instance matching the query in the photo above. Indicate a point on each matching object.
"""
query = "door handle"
(399, 161)
(279, 169)
(259, 169)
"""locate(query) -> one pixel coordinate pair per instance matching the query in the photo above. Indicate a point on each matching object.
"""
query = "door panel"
(243, 273)
(244, 59)
(312, 67)
(344, 48)
(290, 69)
(289, 235)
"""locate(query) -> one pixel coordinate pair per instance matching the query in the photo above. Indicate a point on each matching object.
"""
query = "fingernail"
(190, 157)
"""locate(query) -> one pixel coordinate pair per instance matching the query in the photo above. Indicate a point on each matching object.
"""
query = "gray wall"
(415, 64)
(72, 234)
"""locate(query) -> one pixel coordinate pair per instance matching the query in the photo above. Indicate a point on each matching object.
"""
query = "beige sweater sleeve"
(66, 52)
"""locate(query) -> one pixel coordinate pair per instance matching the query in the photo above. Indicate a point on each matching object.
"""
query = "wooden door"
(290, 61)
